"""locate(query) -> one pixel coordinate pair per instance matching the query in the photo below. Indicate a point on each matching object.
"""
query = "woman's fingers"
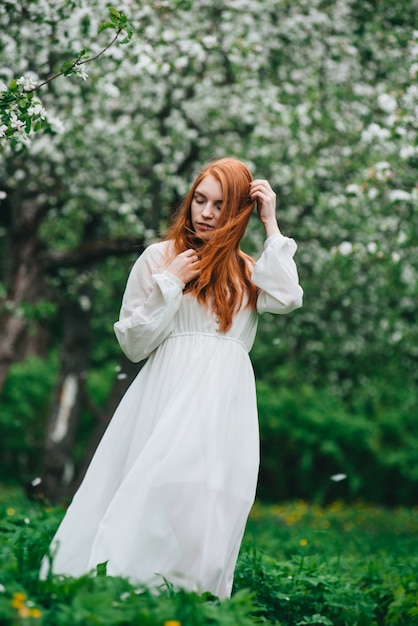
(185, 266)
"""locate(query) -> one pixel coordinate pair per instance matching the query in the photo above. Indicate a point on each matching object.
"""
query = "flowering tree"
(319, 97)
(22, 112)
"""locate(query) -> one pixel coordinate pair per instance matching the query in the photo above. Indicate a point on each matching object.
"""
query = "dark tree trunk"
(22, 276)
(58, 465)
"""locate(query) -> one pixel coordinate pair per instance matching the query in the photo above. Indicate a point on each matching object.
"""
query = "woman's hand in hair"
(185, 266)
(262, 193)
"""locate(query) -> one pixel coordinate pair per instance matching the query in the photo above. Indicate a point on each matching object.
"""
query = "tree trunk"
(22, 277)
(58, 464)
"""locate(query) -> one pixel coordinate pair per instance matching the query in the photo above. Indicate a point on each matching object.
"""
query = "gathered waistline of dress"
(214, 335)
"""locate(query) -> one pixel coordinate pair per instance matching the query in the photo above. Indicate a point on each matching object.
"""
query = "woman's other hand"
(262, 193)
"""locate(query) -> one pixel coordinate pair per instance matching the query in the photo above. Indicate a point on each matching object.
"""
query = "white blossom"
(374, 131)
(406, 152)
(354, 189)
(27, 83)
(387, 103)
(80, 71)
(345, 248)
(3, 129)
(55, 123)
(37, 110)
(15, 122)
(399, 194)
(382, 165)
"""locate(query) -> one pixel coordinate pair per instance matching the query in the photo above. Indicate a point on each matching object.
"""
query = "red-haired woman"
(170, 487)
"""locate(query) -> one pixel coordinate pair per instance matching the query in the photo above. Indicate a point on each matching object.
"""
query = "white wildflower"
(372, 193)
(3, 194)
(3, 129)
(372, 247)
(3, 86)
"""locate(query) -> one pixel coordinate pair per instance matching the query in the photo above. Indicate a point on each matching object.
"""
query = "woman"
(170, 487)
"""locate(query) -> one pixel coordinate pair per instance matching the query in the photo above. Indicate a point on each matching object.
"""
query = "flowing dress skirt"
(168, 492)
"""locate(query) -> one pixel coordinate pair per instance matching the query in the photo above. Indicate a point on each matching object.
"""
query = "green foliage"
(300, 564)
(25, 403)
(339, 565)
(310, 435)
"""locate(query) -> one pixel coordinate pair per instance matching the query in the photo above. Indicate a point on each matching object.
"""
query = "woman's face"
(206, 207)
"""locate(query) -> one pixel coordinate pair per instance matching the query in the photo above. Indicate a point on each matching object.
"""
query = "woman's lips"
(204, 226)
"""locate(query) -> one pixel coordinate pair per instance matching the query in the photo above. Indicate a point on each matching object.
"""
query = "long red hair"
(224, 282)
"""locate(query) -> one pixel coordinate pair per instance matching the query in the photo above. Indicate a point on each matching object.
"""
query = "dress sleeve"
(276, 276)
(152, 298)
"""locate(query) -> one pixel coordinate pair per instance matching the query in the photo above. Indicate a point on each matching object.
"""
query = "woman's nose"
(207, 210)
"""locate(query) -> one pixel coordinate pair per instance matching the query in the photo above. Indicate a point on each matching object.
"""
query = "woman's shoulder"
(158, 248)
(157, 255)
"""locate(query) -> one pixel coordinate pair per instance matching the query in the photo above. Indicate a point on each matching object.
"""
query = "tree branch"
(76, 62)
(91, 252)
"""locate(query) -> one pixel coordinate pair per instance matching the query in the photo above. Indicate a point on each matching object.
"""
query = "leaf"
(66, 66)
(105, 25)
(129, 33)
(114, 12)
(102, 569)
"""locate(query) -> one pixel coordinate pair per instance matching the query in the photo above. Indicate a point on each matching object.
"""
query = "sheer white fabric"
(168, 492)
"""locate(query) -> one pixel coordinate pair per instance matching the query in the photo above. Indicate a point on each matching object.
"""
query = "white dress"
(171, 484)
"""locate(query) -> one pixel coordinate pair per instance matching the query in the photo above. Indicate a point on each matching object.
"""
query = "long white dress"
(169, 489)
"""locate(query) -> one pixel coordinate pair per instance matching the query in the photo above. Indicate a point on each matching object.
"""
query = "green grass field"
(299, 564)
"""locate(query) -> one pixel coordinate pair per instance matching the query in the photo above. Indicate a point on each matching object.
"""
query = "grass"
(299, 564)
